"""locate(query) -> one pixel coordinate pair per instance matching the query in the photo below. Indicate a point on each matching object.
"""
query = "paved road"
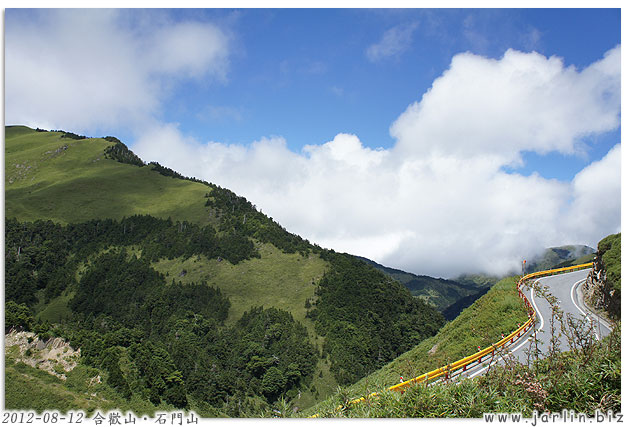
(565, 288)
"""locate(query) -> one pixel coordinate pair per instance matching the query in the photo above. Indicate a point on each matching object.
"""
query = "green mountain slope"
(181, 292)
(48, 176)
(498, 311)
(449, 297)
(561, 256)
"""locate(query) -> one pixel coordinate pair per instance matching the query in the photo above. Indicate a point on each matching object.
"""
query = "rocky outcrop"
(53, 355)
(598, 294)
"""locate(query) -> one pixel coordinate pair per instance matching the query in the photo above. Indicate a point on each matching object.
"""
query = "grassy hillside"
(276, 279)
(48, 176)
(570, 381)
(562, 256)
(67, 180)
(498, 311)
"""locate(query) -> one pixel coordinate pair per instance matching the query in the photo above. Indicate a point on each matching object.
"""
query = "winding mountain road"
(565, 288)
(561, 291)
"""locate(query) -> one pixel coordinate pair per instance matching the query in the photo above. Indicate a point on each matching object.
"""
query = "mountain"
(449, 297)
(561, 256)
(480, 324)
(179, 293)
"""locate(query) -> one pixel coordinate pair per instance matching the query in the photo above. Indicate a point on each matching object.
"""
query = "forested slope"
(156, 278)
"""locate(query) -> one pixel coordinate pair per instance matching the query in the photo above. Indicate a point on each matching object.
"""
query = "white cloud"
(438, 202)
(89, 70)
(394, 41)
(596, 205)
(522, 102)
(190, 49)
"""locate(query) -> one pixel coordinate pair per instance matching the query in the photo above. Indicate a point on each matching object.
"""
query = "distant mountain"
(560, 256)
(449, 297)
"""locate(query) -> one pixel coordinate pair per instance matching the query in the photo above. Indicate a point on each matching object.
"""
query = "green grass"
(611, 250)
(583, 381)
(56, 310)
(66, 180)
(276, 279)
(498, 311)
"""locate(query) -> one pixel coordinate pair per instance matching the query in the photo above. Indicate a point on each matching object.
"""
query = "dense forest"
(160, 340)
(364, 333)
(173, 335)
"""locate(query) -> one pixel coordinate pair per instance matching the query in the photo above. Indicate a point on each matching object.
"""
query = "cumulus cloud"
(86, 69)
(596, 205)
(521, 102)
(439, 201)
(394, 41)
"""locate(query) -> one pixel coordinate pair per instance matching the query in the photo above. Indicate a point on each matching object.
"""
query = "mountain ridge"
(450, 297)
(86, 217)
(560, 256)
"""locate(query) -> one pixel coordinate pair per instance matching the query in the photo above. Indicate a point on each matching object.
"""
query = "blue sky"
(410, 136)
(305, 75)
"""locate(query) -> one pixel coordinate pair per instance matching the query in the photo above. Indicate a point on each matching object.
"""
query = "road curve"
(562, 291)
(565, 288)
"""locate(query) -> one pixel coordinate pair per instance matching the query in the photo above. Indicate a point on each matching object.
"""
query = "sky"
(438, 141)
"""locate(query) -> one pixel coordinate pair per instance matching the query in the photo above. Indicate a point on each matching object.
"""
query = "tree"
(273, 383)
(17, 316)
(175, 393)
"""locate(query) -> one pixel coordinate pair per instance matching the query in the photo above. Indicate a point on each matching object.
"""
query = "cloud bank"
(439, 202)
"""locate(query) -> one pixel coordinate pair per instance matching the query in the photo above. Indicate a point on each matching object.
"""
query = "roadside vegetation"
(582, 381)
(585, 379)
(609, 252)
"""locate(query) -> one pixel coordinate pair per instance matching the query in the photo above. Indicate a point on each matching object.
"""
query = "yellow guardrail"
(477, 357)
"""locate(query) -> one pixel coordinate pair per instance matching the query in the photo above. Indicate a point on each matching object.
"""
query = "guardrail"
(447, 370)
